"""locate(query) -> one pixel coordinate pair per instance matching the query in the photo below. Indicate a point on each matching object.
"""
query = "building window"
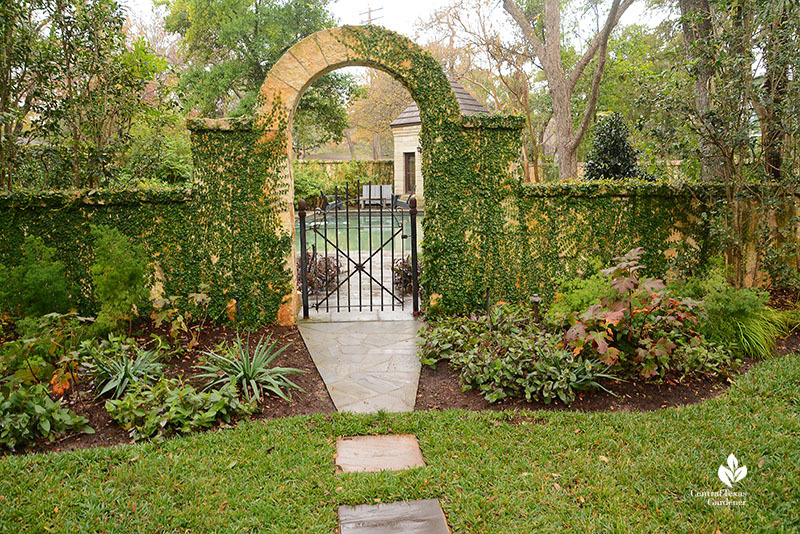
(410, 163)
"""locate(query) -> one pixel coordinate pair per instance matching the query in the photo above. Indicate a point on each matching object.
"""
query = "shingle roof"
(468, 103)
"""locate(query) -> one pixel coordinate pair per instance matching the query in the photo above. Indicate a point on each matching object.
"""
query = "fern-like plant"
(250, 372)
(119, 275)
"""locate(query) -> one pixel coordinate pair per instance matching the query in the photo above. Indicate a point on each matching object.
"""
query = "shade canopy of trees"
(231, 45)
(707, 88)
(72, 83)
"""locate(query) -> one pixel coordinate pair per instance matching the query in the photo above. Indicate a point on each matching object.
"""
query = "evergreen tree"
(612, 155)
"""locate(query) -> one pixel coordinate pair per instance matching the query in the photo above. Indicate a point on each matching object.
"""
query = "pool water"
(364, 231)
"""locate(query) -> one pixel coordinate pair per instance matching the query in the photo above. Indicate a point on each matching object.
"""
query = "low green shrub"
(699, 357)
(171, 407)
(119, 274)
(37, 285)
(576, 295)
(234, 363)
(506, 354)
(739, 318)
(115, 363)
(28, 414)
(444, 337)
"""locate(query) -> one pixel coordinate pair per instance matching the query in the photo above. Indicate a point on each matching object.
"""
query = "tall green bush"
(310, 182)
(37, 285)
(612, 155)
(119, 274)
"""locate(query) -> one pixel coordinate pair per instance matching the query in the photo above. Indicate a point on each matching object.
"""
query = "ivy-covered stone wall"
(237, 240)
(223, 232)
(464, 246)
(552, 232)
(557, 231)
(483, 228)
(63, 220)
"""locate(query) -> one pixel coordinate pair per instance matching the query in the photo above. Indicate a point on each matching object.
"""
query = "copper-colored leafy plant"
(641, 327)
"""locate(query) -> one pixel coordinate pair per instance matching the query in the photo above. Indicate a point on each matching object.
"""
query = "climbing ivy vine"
(483, 228)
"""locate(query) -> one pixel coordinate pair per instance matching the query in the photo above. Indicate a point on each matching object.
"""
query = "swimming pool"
(359, 231)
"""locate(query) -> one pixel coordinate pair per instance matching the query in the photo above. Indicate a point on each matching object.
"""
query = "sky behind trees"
(402, 17)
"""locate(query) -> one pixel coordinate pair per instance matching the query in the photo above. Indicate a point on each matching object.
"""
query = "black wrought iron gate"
(358, 251)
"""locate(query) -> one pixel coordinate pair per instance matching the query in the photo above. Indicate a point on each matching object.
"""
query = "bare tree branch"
(617, 10)
(588, 111)
(516, 13)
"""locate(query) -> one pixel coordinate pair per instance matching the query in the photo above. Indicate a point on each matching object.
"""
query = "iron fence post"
(303, 267)
(412, 211)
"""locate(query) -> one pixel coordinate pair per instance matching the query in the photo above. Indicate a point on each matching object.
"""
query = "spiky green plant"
(114, 375)
(250, 372)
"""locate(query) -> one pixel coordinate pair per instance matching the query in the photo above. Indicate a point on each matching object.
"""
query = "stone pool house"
(408, 177)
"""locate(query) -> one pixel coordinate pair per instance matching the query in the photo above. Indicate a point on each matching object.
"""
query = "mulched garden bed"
(312, 399)
(439, 389)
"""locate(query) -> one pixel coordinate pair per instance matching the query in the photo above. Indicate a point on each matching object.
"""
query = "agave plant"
(250, 372)
(114, 375)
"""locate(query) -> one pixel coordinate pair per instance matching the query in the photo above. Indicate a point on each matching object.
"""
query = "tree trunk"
(775, 85)
(375, 145)
(526, 166)
(565, 145)
(567, 159)
(696, 24)
(350, 145)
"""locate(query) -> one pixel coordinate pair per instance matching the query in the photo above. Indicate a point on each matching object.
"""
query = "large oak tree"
(230, 46)
(540, 26)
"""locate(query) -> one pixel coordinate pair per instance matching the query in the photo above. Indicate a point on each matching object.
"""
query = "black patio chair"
(331, 203)
(400, 201)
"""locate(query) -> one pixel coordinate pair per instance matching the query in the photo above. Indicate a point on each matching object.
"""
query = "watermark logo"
(732, 473)
(729, 475)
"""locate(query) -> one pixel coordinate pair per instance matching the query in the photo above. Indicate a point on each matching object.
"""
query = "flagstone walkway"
(367, 366)
(372, 365)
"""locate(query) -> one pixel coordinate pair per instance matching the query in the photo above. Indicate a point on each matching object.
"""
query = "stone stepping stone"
(414, 517)
(377, 453)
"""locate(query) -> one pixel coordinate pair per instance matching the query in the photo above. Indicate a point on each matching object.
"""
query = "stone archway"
(328, 50)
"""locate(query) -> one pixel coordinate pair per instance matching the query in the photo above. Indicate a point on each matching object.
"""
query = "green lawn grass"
(492, 472)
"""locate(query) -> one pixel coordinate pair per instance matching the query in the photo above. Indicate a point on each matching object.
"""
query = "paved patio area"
(367, 366)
